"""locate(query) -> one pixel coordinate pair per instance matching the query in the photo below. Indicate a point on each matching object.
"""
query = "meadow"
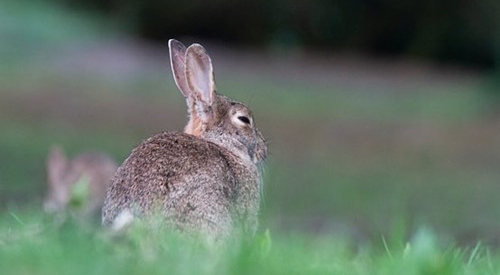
(376, 166)
(30, 245)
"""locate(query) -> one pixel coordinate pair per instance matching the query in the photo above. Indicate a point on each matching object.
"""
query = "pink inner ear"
(199, 73)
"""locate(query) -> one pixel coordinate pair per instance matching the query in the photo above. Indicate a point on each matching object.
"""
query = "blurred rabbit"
(79, 184)
(205, 180)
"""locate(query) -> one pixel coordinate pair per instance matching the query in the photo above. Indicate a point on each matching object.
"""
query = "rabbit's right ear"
(200, 76)
(56, 166)
(178, 63)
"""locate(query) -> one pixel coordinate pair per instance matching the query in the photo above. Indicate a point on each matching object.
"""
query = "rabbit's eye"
(244, 119)
(241, 119)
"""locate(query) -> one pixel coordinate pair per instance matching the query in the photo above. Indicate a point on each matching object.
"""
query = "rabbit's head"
(212, 116)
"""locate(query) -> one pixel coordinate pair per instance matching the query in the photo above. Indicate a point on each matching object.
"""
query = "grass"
(32, 244)
(354, 172)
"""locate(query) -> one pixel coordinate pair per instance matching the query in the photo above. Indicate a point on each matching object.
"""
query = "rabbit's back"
(193, 183)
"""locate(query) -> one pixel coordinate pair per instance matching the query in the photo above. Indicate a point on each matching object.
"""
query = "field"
(39, 247)
(376, 165)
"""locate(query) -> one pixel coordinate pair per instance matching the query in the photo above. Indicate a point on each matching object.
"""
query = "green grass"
(353, 174)
(33, 244)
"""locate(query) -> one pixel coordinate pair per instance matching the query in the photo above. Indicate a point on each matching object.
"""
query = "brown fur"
(204, 180)
(63, 174)
(194, 126)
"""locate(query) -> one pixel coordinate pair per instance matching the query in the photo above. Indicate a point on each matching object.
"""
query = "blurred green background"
(382, 116)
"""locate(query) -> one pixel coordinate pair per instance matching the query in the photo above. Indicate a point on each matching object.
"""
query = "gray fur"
(205, 180)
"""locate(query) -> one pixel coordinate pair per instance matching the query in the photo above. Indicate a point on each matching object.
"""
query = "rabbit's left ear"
(178, 64)
(200, 75)
(56, 166)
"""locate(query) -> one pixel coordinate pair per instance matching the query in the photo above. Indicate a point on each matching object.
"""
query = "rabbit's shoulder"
(178, 153)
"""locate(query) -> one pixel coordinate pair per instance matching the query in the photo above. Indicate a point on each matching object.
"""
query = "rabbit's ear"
(56, 166)
(199, 75)
(178, 64)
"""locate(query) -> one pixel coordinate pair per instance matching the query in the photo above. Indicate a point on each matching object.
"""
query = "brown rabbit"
(207, 179)
(95, 170)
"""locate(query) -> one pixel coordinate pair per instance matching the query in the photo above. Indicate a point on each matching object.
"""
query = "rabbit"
(206, 180)
(94, 170)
